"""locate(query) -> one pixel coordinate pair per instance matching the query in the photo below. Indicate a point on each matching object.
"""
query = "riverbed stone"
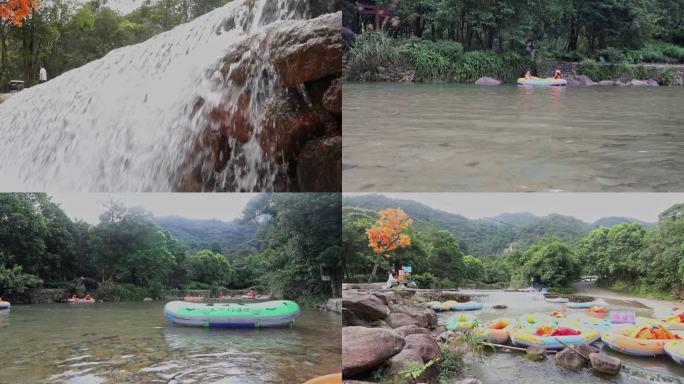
(386, 297)
(571, 82)
(535, 353)
(427, 318)
(487, 81)
(419, 348)
(399, 319)
(652, 83)
(584, 80)
(332, 99)
(411, 330)
(638, 83)
(607, 83)
(567, 358)
(585, 350)
(365, 348)
(366, 307)
(603, 363)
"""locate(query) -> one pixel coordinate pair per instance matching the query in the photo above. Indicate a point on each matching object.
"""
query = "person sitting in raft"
(251, 294)
(88, 297)
(557, 75)
(528, 75)
(74, 298)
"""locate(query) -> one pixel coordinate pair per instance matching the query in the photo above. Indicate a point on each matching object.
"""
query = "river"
(454, 137)
(507, 367)
(133, 342)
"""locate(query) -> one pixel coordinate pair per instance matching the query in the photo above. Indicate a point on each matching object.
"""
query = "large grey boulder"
(605, 364)
(365, 307)
(411, 330)
(365, 348)
(568, 358)
(398, 319)
(584, 80)
(427, 318)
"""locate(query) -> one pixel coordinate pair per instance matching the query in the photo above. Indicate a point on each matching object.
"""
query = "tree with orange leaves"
(387, 235)
(12, 13)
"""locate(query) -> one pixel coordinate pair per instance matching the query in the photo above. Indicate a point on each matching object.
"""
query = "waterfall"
(132, 120)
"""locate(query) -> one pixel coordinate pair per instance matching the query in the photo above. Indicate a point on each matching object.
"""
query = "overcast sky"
(222, 206)
(588, 207)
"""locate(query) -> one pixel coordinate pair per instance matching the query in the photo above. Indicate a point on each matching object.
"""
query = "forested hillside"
(491, 236)
(277, 247)
(218, 236)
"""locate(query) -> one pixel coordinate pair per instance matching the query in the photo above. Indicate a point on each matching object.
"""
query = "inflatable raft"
(557, 300)
(548, 82)
(675, 323)
(535, 320)
(467, 306)
(587, 304)
(496, 331)
(526, 337)
(81, 301)
(461, 322)
(5, 305)
(277, 313)
(625, 340)
(675, 349)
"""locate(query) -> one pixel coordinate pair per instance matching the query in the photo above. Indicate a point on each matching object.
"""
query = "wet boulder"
(638, 83)
(652, 83)
(309, 53)
(567, 358)
(365, 348)
(319, 167)
(572, 82)
(584, 80)
(607, 83)
(605, 364)
(332, 99)
(386, 297)
(365, 307)
(487, 81)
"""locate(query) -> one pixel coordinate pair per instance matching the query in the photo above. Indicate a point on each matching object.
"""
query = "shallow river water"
(511, 367)
(452, 137)
(133, 342)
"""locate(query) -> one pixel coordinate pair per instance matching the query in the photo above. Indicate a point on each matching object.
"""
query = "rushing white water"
(126, 122)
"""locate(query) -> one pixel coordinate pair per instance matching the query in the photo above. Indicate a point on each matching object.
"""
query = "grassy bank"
(376, 56)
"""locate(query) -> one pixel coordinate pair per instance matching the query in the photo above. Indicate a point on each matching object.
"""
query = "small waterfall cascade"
(142, 117)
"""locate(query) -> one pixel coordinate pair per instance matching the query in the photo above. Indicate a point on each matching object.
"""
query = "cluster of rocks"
(579, 357)
(283, 92)
(384, 331)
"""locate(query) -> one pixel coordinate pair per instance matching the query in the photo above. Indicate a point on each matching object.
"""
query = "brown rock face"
(605, 364)
(365, 348)
(365, 307)
(567, 358)
(332, 99)
(309, 54)
(320, 165)
(283, 91)
(398, 319)
(419, 348)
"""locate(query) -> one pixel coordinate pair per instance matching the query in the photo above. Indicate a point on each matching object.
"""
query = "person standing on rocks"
(42, 75)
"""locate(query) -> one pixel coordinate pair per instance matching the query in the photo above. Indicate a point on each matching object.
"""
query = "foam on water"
(125, 122)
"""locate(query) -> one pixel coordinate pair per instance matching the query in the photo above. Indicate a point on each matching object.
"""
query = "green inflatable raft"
(278, 313)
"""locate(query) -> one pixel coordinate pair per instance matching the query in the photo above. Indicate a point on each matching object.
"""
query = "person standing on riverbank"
(42, 75)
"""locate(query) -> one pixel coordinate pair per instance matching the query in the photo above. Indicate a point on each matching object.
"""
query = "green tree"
(210, 268)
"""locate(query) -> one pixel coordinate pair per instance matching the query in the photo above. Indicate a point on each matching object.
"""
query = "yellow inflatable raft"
(496, 331)
(646, 338)
(335, 378)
